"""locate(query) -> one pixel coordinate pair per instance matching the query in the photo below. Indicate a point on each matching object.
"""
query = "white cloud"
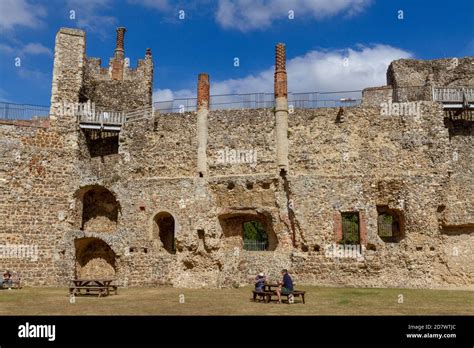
(20, 12)
(321, 71)
(160, 5)
(7, 49)
(247, 15)
(87, 13)
(36, 48)
(32, 48)
(160, 95)
(32, 74)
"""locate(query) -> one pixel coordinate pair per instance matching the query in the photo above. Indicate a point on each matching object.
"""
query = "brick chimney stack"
(119, 53)
(203, 91)
(281, 108)
(281, 89)
(202, 122)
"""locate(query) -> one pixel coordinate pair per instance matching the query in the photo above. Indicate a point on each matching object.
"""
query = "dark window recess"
(200, 234)
(350, 228)
(164, 228)
(101, 143)
(390, 224)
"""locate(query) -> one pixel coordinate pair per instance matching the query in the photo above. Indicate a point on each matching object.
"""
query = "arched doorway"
(94, 258)
(164, 230)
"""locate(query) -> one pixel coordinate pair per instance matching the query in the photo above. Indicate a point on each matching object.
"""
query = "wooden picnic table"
(102, 286)
(92, 282)
(268, 292)
(269, 286)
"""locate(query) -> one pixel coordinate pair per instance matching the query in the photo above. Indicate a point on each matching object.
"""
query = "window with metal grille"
(390, 224)
(255, 237)
(350, 228)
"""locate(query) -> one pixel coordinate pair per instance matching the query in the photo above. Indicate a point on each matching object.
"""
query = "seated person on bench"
(260, 280)
(286, 285)
(7, 279)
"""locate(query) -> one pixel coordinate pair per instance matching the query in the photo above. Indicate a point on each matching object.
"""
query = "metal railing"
(98, 116)
(385, 225)
(307, 100)
(453, 95)
(12, 111)
(253, 245)
(350, 228)
(102, 117)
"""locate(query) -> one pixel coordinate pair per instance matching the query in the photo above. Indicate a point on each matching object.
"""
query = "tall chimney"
(281, 89)
(281, 107)
(202, 122)
(203, 91)
(119, 53)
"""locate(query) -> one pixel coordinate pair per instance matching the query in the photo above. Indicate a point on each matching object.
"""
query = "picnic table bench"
(102, 287)
(267, 293)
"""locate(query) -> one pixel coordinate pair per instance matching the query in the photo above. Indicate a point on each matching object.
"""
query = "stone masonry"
(155, 203)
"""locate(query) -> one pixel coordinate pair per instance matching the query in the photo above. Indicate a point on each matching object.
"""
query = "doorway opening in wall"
(390, 224)
(350, 228)
(101, 143)
(164, 229)
(255, 237)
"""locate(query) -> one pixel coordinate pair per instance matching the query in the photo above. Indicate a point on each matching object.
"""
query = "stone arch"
(164, 230)
(94, 258)
(98, 209)
(232, 224)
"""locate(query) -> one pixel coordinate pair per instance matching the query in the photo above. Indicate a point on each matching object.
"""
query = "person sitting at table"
(286, 285)
(7, 279)
(260, 280)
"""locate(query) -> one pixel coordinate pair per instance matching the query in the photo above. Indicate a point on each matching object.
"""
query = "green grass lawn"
(166, 301)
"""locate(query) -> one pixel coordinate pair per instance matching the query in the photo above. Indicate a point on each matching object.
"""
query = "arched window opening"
(164, 230)
(100, 210)
(390, 224)
(94, 259)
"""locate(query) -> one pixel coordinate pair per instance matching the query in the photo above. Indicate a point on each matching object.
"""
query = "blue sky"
(331, 44)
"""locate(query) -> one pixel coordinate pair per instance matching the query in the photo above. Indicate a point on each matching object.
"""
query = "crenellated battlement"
(81, 79)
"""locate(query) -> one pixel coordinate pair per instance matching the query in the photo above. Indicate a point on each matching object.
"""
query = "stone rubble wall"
(354, 165)
(352, 159)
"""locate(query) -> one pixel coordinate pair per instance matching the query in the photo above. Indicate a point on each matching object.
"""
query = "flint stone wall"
(367, 160)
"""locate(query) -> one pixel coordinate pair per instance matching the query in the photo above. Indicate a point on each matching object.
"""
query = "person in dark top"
(260, 280)
(286, 285)
(6, 279)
